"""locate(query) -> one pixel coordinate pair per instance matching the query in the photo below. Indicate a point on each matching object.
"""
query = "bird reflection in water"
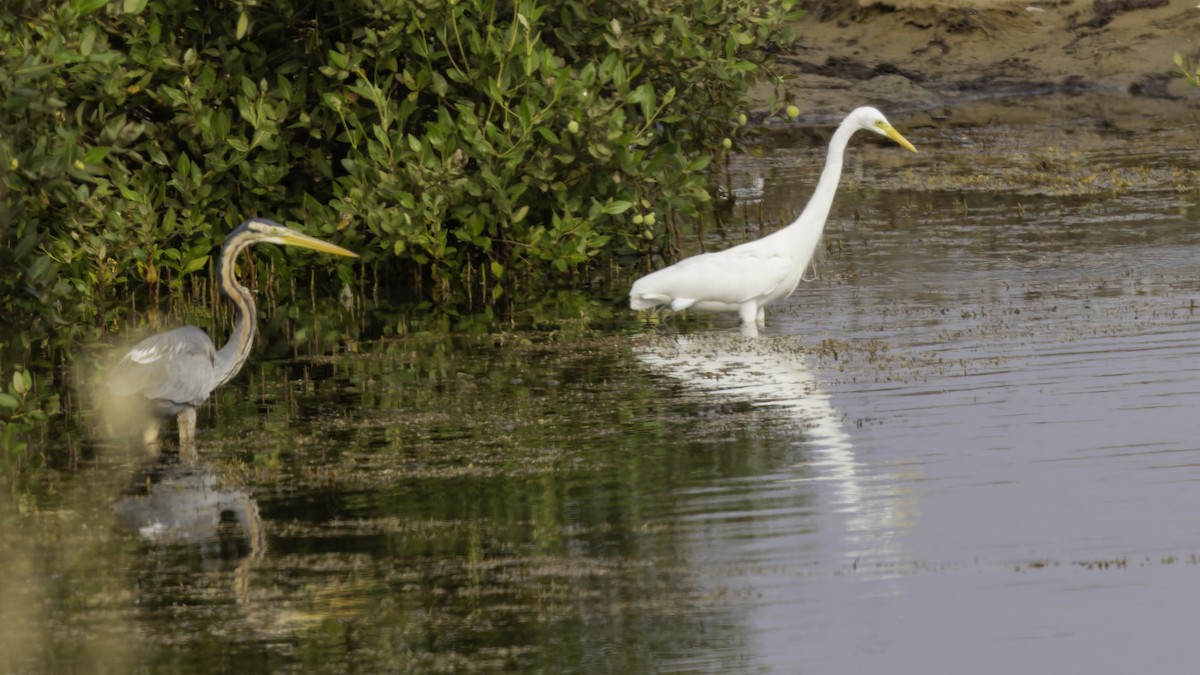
(177, 500)
(771, 373)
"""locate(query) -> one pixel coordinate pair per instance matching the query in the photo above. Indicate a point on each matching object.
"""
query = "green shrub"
(471, 136)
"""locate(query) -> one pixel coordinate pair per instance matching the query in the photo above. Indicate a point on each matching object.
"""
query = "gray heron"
(175, 371)
(745, 278)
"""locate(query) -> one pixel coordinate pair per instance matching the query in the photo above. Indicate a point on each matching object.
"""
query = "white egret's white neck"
(814, 214)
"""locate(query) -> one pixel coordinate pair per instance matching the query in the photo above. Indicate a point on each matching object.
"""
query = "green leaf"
(134, 6)
(96, 154)
(85, 7)
(440, 86)
(88, 42)
(195, 265)
(644, 95)
(36, 70)
(616, 207)
(261, 137)
(8, 401)
(243, 24)
(18, 383)
(131, 194)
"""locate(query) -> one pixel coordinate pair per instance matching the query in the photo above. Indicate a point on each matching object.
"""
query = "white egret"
(745, 278)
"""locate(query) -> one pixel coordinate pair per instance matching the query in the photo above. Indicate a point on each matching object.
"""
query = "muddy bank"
(908, 56)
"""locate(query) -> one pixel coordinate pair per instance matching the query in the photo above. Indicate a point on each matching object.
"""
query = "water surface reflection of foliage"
(507, 486)
(483, 503)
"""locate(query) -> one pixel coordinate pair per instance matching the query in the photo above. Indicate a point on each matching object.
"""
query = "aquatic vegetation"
(1188, 69)
(1057, 171)
(22, 409)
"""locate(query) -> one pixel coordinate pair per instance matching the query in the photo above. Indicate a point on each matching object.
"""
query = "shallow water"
(968, 446)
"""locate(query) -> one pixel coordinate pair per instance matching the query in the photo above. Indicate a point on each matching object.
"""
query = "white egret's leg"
(762, 317)
(749, 313)
(187, 426)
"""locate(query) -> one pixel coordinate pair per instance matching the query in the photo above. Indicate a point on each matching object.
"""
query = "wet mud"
(918, 55)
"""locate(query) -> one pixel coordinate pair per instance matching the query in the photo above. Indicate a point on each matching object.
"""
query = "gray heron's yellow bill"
(293, 238)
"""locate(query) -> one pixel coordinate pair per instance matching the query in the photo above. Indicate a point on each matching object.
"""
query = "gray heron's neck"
(233, 354)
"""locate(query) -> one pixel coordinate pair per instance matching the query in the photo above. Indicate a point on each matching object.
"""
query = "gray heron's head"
(263, 230)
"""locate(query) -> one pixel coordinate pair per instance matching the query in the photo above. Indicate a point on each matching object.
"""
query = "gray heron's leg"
(252, 526)
(150, 433)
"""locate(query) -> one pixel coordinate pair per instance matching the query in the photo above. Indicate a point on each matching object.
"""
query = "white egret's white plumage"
(745, 278)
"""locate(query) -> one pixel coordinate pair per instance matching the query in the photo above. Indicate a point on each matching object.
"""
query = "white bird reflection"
(772, 373)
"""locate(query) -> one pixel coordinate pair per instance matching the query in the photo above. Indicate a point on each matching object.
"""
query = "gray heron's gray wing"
(175, 367)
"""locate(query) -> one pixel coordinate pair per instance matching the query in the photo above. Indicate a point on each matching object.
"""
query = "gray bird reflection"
(771, 373)
(178, 500)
